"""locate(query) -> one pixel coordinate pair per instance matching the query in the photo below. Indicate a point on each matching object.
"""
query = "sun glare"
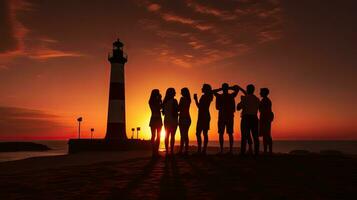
(162, 139)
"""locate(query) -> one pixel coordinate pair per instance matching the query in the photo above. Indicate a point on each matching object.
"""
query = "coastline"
(60, 147)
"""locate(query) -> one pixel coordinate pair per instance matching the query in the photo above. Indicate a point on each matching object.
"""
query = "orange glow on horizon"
(52, 72)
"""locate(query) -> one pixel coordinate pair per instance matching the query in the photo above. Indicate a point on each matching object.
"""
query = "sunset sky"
(54, 67)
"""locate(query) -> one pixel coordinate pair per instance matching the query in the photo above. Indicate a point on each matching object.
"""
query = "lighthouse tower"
(116, 108)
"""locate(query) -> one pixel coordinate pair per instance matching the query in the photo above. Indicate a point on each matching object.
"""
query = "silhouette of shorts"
(226, 124)
(203, 124)
(264, 127)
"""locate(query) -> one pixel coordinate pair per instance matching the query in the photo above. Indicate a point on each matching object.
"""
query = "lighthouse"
(116, 107)
(115, 138)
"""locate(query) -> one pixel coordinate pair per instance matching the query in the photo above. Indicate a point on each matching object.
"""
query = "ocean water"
(59, 147)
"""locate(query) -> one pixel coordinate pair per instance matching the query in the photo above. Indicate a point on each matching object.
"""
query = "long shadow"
(212, 176)
(126, 192)
(171, 186)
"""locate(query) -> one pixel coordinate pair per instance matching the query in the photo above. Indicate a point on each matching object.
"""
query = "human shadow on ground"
(126, 192)
(171, 185)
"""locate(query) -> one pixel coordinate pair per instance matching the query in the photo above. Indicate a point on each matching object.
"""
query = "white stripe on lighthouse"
(117, 73)
(116, 111)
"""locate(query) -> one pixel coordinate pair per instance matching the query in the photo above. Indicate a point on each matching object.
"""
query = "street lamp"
(137, 132)
(80, 119)
(91, 133)
(132, 133)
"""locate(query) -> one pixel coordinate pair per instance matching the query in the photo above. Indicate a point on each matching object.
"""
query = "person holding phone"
(204, 117)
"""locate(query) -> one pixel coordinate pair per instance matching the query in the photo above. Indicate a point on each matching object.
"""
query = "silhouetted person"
(250, 144)
(170, 110)
(155, 104)
(204, 116)
(249, 124)
(184, 119)
(225, 104)
(265, 119)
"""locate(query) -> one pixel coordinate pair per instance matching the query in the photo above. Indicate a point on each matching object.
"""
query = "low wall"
(82, 145)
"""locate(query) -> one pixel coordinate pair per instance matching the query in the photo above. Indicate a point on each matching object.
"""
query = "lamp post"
(132, 133)
(80, 119)
(137, 132)
(91, 133)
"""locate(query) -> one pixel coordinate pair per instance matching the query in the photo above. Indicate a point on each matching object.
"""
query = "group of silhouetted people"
(177, 114)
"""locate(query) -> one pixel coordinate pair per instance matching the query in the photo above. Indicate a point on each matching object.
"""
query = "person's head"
(206, 88)
(250, 89)
(264, 92)
(155, 94)
(186, 93)
(170, 93)
(225, 88)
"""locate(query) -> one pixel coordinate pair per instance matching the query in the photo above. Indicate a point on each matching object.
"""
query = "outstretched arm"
(243, 90)
(215, 91)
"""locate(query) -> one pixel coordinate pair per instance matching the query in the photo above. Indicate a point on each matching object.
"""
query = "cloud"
(18, 122)
(176, 18)
(19, 40)
(211, 30)
(268, 36)
(186, 21)
(44, 54)
(224, 15)
(153, 7)
(12, 31)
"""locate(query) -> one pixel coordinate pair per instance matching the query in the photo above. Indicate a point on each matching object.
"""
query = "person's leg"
(255, 133)
(153, 135)
(221, 141)
(199, 140)
(244, 133)
(265, 143)
(167, 134)
(221, 127)
(157, 142)
(250, 143)
(231, 140)
(182, 137)
(172, 139)
(270, 139)
(205, 141)
(186, 142)
(270, 143)
(230, 133)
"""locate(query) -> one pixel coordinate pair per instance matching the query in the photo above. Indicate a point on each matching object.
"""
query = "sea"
(59, 147)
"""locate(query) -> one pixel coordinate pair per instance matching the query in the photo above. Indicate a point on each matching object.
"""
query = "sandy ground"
(135, 175)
